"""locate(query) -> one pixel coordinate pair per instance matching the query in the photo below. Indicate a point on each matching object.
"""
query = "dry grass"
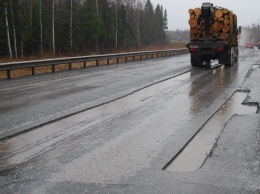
(61, 67)
(3, 75)
(21, 72)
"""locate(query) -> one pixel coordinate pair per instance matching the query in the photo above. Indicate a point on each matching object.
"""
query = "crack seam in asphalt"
(185, 145)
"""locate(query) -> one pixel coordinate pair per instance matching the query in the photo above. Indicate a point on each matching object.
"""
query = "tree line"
(178, 35)
(71, 27)
(250, 34)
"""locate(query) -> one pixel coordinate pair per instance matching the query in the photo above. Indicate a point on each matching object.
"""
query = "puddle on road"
(192, 157)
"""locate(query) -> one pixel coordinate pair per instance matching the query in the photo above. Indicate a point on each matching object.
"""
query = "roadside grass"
(78, 65)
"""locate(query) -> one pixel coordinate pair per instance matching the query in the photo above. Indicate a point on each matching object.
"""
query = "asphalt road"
(132, 129)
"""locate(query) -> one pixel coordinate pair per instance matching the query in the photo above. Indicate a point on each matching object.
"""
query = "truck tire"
(236, 59)
(230, 60)
(196, 60)
(236, 54)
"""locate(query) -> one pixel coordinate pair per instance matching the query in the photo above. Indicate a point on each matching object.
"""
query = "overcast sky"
(247, 11)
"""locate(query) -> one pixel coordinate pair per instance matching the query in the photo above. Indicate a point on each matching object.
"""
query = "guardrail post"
(8, 73)
(146, 56)
(125, 59)
(152, 56)
(33, 70)
(117, 60)
(107, 61)
(85, 64)
(133, 58)
(141, 57)
(97, 62)
(70, 66)
(157, 55)
(53, 68)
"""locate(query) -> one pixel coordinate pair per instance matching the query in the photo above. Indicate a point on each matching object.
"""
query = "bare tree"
(71, 43)
(21, 18)
(117, 2)
(138, 27)
(41, 26)
(97, 5)
(7, 31)
(14, 33)
(53, 27)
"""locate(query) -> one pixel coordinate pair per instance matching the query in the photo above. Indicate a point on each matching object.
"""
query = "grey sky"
(247, 11)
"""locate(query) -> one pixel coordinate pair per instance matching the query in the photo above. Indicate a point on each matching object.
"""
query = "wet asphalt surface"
(138, 117)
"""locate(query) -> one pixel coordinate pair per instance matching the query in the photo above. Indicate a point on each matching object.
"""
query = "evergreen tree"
(107, 14)
(79, 26)
(158, 25)
(94, 26)
(3, 37)
(122, 25)
(165, 20)
(148, 34)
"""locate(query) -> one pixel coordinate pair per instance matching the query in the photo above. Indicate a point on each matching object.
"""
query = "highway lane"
(123, 146)
(43, 98)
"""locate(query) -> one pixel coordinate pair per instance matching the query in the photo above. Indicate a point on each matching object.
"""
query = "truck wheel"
(196, 60)
(236, 59)
(230, 62)
(230, 59)
(236, 54)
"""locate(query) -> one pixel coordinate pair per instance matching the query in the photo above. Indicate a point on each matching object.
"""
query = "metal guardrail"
(8, 67)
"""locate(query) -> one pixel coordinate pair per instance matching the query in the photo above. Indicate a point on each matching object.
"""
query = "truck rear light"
(219, 49)
(193, 49)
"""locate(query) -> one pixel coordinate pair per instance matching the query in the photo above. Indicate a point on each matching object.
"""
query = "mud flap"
(196, 60)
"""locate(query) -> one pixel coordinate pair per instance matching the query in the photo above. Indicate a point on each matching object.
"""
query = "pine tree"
(3, 37)
(148, 35)
(106, 12)
(158, 25)
(36, 27)
(94, 26)
(165, 20)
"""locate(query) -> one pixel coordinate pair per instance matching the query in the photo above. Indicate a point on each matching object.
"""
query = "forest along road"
(155, 126)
